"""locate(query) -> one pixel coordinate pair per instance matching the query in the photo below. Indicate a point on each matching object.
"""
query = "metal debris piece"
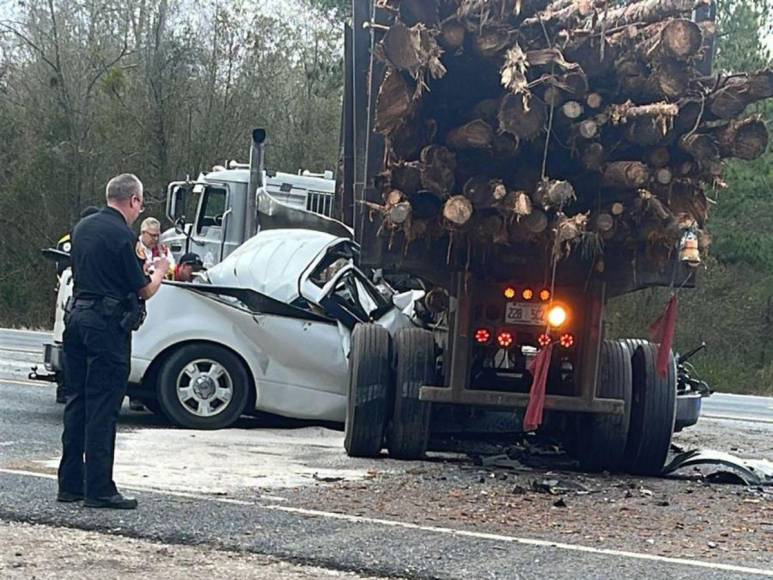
(750, 471)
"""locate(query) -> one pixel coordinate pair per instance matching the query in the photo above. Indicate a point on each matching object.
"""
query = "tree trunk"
(524, 123)
(394, 103)
(474, 135)
(552, 193)
(438, 165)
(744, 139)
(457, 211)
(678, 39)
(625, 174)
(644, 11)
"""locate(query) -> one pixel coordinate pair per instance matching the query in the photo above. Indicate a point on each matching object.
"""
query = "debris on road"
(727, 468)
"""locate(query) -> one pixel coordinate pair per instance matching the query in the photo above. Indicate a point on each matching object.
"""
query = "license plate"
(524, 313)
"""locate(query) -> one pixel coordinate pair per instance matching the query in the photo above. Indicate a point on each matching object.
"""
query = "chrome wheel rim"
(204, 387)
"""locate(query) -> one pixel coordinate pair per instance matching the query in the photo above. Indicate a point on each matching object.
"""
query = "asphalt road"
(177, 507)
(20, 349)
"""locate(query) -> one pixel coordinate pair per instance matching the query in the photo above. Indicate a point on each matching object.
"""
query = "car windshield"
(358, 296)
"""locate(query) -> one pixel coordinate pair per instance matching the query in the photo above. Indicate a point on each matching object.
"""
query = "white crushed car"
(268, 329)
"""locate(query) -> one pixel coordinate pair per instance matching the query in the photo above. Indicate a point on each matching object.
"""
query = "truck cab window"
(212, 209)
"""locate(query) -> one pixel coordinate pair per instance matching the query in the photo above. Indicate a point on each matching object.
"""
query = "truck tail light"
(527, 294)
(509, 292)
(482, 335)
(556, 316)
(544, 295)
(505, 339)
(544, 340)
(566, 340)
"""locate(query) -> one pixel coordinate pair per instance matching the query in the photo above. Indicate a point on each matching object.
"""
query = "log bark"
(504, 146)
(474, 135)
(452, 33)
(625, 174)
(408, 139)
(457, 211)
(644, 11)
(535, 223)
(438, 165)
(520, 121)
(659, 157)
(736, 93)
(678, 39)
(701, 147)
(406, 177)
(553, 193)
(484, 192)
(399, 213)
(603, 222)
(744, 139)
(593, 156)
(394, 103)
(628, 111)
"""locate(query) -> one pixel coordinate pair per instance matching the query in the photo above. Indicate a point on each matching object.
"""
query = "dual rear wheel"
(637, 441)
(383, 406)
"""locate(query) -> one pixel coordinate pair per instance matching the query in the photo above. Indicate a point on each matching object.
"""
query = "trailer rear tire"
(408, 435)
(602, 438)
(368, 393)
(653, 411)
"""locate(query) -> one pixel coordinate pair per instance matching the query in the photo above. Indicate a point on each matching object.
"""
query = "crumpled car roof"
(272, 262)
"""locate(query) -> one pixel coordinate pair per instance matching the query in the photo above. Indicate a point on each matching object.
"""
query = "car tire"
(602, 438)
(203, 386)
(368, 393)
(653, 411)
(408, 434)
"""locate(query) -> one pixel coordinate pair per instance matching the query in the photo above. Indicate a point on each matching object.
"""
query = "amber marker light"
(544, 295)
(482, 335)
(509, 292)
(505, 339)
(556, 316)
(527, 294)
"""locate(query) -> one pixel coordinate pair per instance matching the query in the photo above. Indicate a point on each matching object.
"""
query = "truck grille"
(321, 203)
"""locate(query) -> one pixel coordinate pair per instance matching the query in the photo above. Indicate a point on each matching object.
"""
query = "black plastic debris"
(725, 467)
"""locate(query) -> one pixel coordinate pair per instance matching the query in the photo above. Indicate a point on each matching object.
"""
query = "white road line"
(21, 331)
(22, 382)
(744, 419)
(446, 531)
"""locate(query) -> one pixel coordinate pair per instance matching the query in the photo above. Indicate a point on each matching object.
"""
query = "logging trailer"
(491, 315)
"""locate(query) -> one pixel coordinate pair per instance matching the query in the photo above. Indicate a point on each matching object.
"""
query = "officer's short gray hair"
(150, 224)
(122, 187)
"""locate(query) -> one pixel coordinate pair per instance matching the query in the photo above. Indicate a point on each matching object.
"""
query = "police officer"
(108, 286)
(65, 245)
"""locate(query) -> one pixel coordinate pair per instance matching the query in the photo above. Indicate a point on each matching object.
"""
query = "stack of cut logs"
(548, 123)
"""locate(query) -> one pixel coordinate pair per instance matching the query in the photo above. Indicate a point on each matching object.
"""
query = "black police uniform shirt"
(103, 258)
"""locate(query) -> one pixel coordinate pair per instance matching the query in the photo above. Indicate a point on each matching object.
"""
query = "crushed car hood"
(273, 261)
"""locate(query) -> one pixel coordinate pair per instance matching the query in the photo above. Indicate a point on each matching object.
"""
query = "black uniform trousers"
(97, 356)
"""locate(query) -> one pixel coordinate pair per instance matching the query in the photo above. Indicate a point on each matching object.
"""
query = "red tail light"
(482, 335)
(544, 340)
(566, 340)
(505, 339)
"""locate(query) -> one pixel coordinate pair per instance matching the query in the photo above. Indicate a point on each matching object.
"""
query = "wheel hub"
(204, 387)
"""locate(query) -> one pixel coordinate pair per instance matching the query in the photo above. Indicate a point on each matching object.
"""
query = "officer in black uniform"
(109, 286)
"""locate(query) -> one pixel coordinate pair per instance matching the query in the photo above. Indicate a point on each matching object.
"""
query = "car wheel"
(203, 386)
(602, 438)
(653, 412)
(409, 431)
(369, 386)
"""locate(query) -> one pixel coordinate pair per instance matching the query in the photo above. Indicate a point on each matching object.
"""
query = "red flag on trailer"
(662, 332)
(539, 370)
